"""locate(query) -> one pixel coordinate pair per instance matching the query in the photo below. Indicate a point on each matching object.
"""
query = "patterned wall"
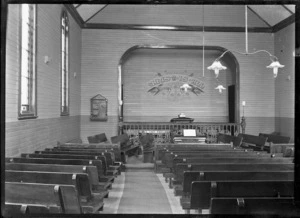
(146, 68)
(285, 82)
(102, 50)
(49, 127)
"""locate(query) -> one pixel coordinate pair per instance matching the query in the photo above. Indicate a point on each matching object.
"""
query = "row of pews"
(231, 176)
(70, 178)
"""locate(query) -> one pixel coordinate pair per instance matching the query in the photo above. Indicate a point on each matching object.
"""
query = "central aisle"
(143, 194)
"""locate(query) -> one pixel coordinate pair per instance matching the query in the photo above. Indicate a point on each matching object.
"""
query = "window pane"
(64, 64)
(27, 71)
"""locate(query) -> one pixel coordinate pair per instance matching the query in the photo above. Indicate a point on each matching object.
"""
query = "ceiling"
(260, 18)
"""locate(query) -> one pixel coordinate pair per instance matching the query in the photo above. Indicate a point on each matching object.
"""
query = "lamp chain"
(203, 41)
(246, 27)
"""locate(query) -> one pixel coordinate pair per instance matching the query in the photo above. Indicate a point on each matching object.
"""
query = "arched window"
(27, 96)
(64, 64)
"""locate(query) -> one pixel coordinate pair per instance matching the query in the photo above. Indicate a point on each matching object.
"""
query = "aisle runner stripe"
(111, 204)
(173, 200)
(143, 194)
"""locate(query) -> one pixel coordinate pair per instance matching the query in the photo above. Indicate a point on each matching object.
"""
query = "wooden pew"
(90, 202)
(180, 168)
(127, 146)
(278, 207)
(169, 156)
(109, 174)
(113, 155)
(286, 149)
(104, 181)
(103, 146)
(103, 184)
(191, 176)
(92, 139)
(229, 160)
(203, 191)
(110, 165)
(252, 141)
(276, 139)
(59, 198)
(232, 159)
(224, 138)
(101, 137)
(236, 154)
(161, 149)
(19, 210)
(90, 170)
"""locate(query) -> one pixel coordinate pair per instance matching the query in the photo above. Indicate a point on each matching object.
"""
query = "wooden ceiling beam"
(175, 28)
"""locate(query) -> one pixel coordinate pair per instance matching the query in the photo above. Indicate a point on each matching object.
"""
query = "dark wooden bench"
(116, 152)
(190, 176)
(19, 210)
(180, 168)
(276, 139)
(229, 160)
(110, 174)
(265, 206)
(104, 181)
(172, 167)
(90, 170)
(161, 149)
(169, 158)
(59, 198)
(203, 191)
(126, 145)
(252, 141)
(101, 137)
(103, 146)
(110, 163)
(90, 202)
(224, 138)
(92, 139)
(287, 149)
(104, 184)
(97, 138)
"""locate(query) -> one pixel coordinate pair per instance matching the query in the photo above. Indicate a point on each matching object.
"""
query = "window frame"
(66, 35)
(32, 112)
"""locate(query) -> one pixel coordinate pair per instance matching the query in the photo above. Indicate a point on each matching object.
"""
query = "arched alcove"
(145, 63)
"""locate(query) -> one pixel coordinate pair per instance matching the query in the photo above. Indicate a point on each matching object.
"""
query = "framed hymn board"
(98, 108)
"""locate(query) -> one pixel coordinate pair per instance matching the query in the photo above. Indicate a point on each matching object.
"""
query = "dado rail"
(165, 131)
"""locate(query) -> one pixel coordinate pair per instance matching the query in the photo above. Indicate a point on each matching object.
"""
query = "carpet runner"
(143, 194)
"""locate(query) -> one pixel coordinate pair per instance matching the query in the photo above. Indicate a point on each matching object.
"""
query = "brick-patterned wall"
(49, 127)
(102, 50)
(285, 82)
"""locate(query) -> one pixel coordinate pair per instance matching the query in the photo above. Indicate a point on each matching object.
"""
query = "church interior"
(149, 108)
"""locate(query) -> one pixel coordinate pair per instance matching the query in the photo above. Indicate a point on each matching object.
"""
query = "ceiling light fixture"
(217, 66)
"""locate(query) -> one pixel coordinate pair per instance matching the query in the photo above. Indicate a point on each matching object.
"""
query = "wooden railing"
(164, 132)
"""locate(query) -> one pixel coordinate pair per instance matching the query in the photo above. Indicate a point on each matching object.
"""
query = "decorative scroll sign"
(175, 85)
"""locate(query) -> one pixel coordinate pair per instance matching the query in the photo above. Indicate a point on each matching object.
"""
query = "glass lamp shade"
(275, 65)
(221, 88)
(217, 66)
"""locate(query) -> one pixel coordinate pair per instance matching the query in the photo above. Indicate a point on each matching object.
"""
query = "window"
(64, 64)
(27, 96)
